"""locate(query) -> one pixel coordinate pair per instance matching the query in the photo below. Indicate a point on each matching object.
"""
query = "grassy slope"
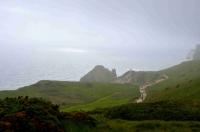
(183, 83)
(78, 96)
(107, 101)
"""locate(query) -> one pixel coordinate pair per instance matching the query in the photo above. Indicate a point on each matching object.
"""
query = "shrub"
(36, 114)
(165, 110)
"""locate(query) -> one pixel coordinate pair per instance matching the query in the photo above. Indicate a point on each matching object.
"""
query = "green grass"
(183, 83)
(78, 96)
(108, 101)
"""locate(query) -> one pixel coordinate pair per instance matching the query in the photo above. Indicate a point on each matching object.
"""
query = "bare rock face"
(99, 74)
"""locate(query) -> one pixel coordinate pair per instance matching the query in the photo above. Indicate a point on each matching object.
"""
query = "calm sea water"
(21, 67)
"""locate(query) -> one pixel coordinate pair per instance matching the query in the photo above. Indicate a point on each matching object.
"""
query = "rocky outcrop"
(99, 74)
(102, 74)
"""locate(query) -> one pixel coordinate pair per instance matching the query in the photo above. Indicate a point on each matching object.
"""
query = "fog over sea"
(24, 66)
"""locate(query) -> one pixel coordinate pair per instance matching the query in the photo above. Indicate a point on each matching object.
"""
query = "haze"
(150, 29)
(150, 34)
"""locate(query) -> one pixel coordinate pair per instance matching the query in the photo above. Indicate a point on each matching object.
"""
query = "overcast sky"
(147, 29)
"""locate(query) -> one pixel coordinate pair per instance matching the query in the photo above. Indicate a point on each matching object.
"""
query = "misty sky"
(160, 30)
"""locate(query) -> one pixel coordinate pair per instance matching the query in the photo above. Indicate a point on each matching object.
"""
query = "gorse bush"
(29, 114)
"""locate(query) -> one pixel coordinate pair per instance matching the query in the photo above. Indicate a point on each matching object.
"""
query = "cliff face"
(99, 74)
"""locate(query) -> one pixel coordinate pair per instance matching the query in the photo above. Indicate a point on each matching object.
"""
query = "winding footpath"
(143, 88)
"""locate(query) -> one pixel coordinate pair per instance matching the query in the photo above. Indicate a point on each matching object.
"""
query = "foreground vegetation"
(165, 116)
(25, 114)
(149, 126)
(165, 110)
(38, 115)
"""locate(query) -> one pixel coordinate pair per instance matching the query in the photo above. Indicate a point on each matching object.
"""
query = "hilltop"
(99, 74)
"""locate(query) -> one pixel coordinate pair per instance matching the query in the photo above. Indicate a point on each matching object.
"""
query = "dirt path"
(143, 88)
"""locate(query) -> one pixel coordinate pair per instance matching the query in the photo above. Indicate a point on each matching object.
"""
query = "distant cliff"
(196, 55)
(99, 74)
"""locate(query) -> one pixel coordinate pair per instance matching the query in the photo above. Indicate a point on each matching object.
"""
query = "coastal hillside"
(171, 104)
(182, 83)
(77, 95)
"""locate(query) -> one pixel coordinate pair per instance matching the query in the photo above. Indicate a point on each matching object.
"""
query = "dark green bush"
(37, 115)
(165, 110)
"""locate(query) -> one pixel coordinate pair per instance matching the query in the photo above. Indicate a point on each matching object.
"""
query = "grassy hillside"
(116, 112)
(78, 96)
(183, 83)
